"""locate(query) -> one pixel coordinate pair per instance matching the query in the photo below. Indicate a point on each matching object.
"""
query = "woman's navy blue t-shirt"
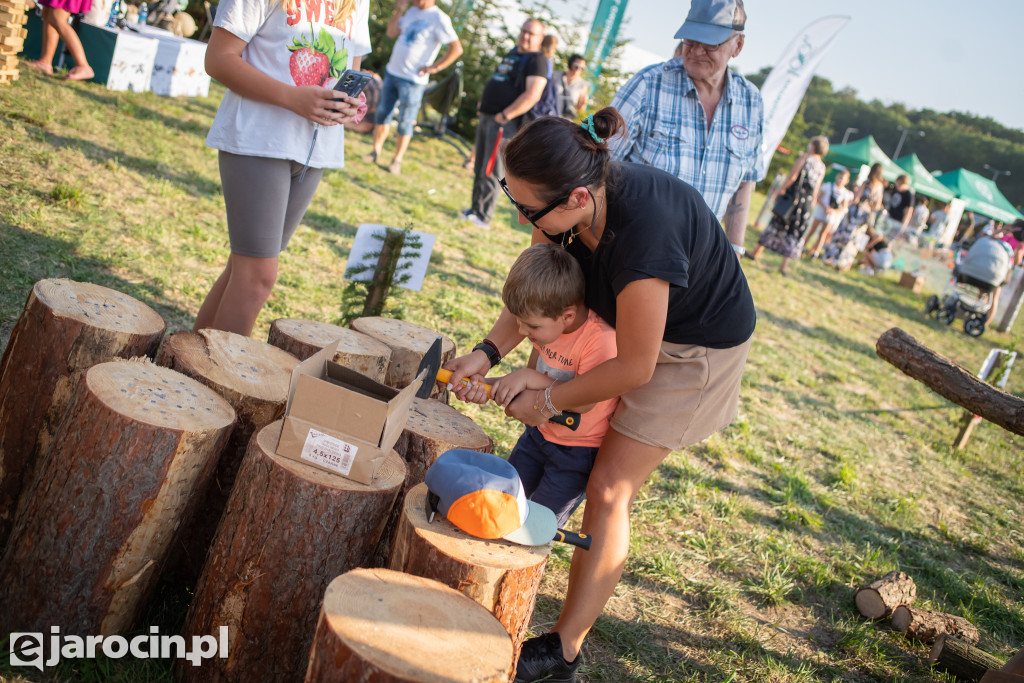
(658, 226)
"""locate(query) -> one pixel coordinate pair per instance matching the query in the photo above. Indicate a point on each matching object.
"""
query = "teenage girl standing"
(278, 59)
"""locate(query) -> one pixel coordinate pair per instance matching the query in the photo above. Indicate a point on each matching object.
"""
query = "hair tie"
(588, 125)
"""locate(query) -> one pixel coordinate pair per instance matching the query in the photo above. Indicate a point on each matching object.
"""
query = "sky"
(935, 54)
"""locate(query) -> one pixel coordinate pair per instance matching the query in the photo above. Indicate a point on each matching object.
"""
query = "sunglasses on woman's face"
(534, 216)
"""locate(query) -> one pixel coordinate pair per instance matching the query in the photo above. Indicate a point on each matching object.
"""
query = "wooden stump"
(99, 513)
(883, 596)
(303, 338)
(65, 326)
(389, 627)
(408, 343)
(288, 529)
(926, 625)
(503, 577)
(432, 428)
(967, 663)
(253, 377)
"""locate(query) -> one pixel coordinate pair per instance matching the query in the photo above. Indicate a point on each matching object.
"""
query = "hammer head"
(431, 363)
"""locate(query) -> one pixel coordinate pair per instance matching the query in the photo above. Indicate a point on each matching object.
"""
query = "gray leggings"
(265, 201)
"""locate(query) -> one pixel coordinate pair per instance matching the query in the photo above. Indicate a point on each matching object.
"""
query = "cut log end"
(965, 662)
(389, 626)
(242, 365)
(98, 306)
(881, 597)
(158, 396)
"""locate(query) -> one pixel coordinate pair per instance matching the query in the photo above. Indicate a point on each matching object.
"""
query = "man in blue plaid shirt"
(695, 118)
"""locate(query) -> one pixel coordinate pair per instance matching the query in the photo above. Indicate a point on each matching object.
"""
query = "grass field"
(746, 549)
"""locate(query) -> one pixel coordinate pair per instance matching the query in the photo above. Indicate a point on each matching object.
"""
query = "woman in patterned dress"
(786, 237)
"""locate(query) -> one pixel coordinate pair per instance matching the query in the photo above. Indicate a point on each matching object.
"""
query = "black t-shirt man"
(900, 203)
(509, 79)
(658, 226)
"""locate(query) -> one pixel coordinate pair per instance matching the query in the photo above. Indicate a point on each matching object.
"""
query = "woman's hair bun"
(608, 123)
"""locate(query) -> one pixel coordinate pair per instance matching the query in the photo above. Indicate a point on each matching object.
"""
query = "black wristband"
(489, 348)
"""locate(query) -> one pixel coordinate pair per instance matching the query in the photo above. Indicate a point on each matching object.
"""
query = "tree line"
(952, 140)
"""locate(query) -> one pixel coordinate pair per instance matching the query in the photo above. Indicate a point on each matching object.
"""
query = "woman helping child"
(658, 268)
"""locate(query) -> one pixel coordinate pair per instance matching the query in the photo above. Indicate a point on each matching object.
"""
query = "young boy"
(544, 291)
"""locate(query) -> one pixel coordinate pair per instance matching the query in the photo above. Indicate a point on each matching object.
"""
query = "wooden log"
(288, 529)
(432, 428)
(504, 577)
(390, 627)
(408, 343)
(99, 513)
(303, 338)
(253, 377)
(65, 327)
(926, 625)
(950, 380)
(884, 595)
(967, 663)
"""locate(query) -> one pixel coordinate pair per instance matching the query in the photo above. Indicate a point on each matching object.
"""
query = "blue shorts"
(553, 475)
(407, 95)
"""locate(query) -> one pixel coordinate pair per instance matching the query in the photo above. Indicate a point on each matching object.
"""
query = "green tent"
(863, 152)
(980, 195)
(922, 181)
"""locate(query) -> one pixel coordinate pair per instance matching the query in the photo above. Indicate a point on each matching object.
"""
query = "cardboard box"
(912, 282)
(340, 420)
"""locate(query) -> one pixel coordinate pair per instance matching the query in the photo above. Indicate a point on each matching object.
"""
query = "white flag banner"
(786, 84)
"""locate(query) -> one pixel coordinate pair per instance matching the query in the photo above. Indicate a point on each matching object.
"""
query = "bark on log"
(303, 338)
(926, 625)
(99, 513)
(884, 595)
(408, 343)
(432, 428)
(288, 529)
(253, 377)
(951, 381)
(967, 663)
(422, 632)
(503, 577)
(65, 327)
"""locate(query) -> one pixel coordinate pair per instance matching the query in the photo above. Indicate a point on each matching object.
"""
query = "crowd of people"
(631, 294)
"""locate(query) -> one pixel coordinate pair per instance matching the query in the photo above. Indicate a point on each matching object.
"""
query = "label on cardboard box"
(329, 452)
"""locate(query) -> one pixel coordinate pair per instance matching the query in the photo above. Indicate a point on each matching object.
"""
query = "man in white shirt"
(421, 31)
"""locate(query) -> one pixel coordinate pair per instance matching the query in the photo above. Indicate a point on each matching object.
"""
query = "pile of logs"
(115, 470)
(953, 636)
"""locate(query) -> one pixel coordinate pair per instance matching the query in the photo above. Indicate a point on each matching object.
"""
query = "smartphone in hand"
(352, 82)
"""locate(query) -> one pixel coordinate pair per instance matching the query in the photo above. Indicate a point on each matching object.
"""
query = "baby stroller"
(964, 297)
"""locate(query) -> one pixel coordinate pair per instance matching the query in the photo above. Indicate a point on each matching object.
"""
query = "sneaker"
(867, 270)
(465, 214)
(395, 168)
(478, 222)
(541, 660)
(371, 158)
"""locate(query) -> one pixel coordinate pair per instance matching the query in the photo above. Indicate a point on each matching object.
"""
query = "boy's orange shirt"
(572, 354)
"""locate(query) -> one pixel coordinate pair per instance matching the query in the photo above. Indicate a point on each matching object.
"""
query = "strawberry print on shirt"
(298, 42)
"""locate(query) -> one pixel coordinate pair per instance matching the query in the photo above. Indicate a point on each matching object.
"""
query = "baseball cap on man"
(482, 494)
(712, 21)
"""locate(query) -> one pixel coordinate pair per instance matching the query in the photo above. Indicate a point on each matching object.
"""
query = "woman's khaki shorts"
(693, 394)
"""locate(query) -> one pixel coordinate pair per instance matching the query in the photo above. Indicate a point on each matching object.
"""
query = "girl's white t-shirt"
(319, 51)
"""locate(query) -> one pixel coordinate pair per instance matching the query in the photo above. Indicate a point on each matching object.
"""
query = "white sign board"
(366, 248)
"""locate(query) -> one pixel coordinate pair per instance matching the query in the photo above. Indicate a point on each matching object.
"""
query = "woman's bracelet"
(548, 405)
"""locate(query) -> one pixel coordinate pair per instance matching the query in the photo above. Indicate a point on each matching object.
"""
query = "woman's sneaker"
(541, 660)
